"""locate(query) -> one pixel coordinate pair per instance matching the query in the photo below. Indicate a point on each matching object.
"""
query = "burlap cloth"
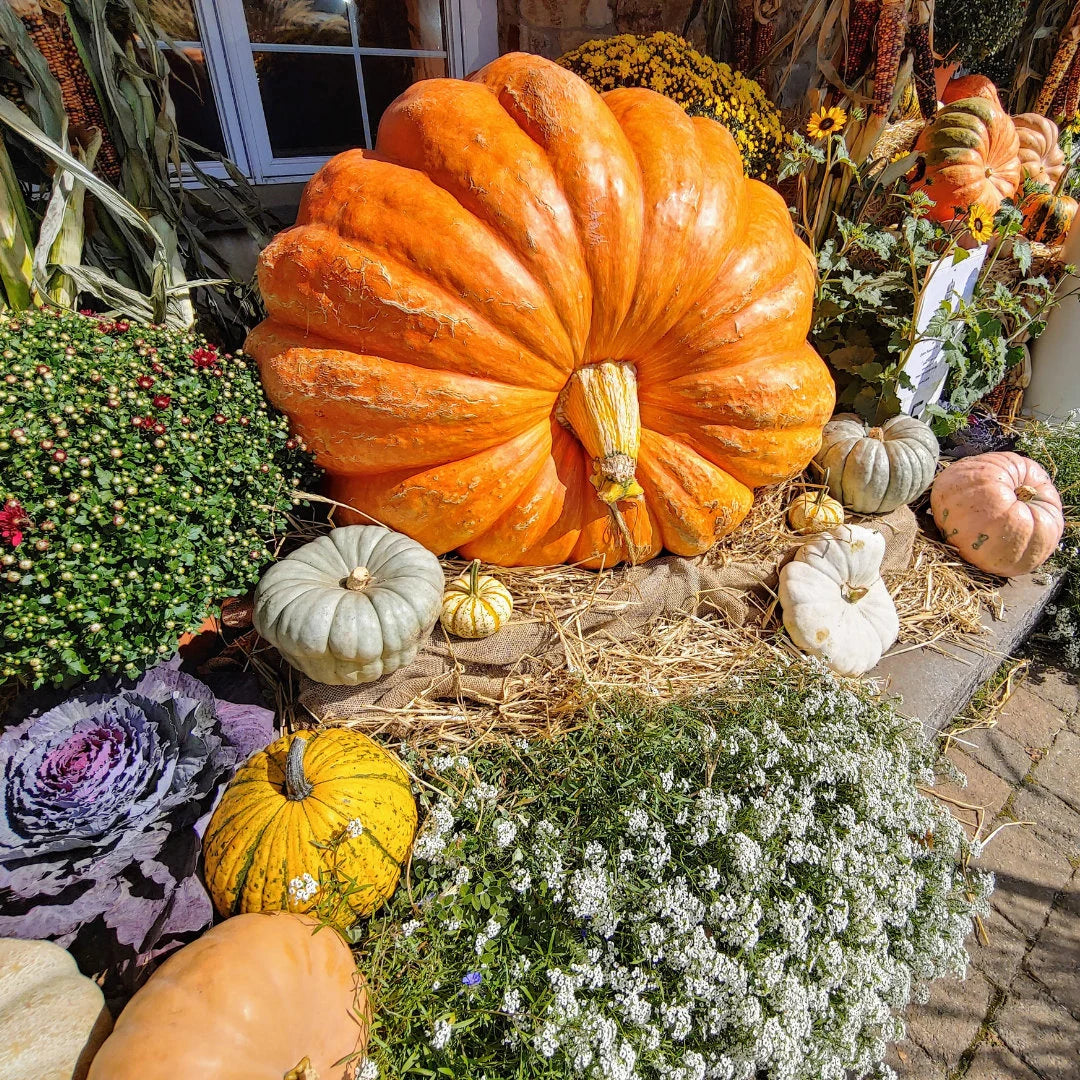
(620, 605)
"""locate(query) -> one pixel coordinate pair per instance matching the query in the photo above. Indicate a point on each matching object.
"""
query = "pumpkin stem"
(474, 578)
(297, 785)
(359, 578)
(302, 1071)
(599, 404)
(853, 595)
(1025, 493)
(876, 433)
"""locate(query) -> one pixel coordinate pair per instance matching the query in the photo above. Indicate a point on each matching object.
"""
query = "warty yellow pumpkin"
(319, 821)
(536, 324)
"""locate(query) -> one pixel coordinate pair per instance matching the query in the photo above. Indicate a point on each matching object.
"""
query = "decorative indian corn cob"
(743, 33)
(1061, 65)
(891, 32)
(52, 37)
(922, 55)
(864, 16)
(1071, 101)
(765, 12)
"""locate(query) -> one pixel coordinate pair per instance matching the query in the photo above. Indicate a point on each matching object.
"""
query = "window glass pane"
(400, 24)
(311, 102)
(387, 76)
(193, 96)
(175, 19)
(298, 22)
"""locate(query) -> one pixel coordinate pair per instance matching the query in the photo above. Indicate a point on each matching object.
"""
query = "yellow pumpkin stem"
(297, 785)
(600, 406)
(303, 1071)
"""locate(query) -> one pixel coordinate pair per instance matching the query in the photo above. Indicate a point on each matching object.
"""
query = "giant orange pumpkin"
(540, 325)
(971, 156)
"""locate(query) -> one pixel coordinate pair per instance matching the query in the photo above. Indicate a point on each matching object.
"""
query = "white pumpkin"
(352, 606)
(835, 604)
(875, 470)
(52, 1018)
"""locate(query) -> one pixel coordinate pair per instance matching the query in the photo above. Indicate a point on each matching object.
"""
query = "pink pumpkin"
(1001, 512)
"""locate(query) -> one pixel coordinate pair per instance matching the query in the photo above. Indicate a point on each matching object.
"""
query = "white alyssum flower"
(505, 833)
(369, 1070)
(303, 888)
(439, 1035)
(410, 928)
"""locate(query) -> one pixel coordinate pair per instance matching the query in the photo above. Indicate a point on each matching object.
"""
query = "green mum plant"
(142, 477)
(731, 887)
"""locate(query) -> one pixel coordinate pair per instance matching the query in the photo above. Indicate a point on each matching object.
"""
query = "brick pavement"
(1016, 1016)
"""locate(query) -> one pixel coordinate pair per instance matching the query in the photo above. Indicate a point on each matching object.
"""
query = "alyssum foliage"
(726, 888)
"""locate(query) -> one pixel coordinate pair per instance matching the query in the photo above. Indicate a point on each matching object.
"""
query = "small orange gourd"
(1047, 217)
(967, 86)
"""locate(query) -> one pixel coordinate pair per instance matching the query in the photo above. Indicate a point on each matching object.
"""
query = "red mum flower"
(205, 356)
(162, 401)
(13, 519)
(144, 382)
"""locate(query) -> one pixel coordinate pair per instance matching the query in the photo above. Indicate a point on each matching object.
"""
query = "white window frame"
(471, 39)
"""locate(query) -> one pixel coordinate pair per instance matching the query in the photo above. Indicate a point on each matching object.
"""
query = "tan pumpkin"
(814, 512)
(971, 155)
(318, 821)
(1000, 511)
(1041, 158)
(52, 1018)
(540, 325)
(253, 997)
(475, 605)
(1047, 218)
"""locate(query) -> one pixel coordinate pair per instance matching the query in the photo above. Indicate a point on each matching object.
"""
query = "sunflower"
(826, 122)
(980, 223)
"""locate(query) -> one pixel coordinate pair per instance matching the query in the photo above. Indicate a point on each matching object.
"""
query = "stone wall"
(550, 27)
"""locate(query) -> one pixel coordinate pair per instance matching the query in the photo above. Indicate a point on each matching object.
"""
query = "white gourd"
(876, 470)
(475, 604)
(835, 603)
(52, 1018)
(352, 606)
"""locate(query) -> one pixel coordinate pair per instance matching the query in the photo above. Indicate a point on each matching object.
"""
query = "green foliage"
(733, 887)
(872, 275)
(142, 476)
(1056, 447)
(966, 31)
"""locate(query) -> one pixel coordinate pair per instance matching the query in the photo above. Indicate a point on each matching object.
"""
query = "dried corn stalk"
(864, 17)
(922, 55)
(891, 33)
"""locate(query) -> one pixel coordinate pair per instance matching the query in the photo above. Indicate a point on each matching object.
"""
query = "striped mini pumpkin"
(314, 816)
(475, 605)
(1047, 217)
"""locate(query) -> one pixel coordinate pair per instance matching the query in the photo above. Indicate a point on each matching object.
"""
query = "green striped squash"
(317, 822)
(1047, 217)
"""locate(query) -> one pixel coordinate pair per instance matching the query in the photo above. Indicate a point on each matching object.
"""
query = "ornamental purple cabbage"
(103, 803)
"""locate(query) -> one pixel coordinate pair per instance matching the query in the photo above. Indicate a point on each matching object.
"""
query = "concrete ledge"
(935, 683)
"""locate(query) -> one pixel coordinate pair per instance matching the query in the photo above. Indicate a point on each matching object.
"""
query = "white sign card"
(946, 281)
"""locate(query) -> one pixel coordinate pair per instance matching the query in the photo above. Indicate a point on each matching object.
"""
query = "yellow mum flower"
(980, 223)
(826, 122)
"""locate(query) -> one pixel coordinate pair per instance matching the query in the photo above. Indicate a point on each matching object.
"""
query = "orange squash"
(971, 154)
(540, 325)
(1047, 217)
(968, 86)
(254, 996)
(1041, 158)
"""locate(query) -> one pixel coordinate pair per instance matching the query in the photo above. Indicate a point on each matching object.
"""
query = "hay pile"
(938, 599)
